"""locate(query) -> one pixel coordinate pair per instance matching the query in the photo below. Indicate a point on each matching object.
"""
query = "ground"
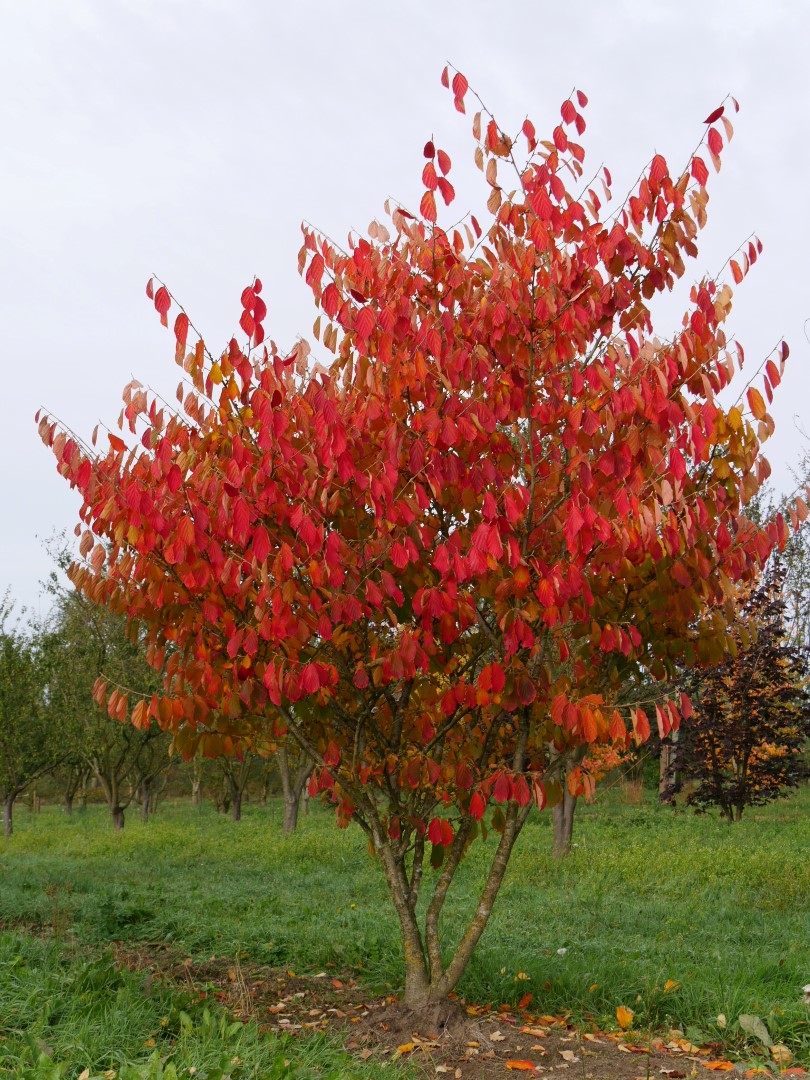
(154, 945)
(497, 1040)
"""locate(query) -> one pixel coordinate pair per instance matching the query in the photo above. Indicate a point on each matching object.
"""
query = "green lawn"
(648, 895)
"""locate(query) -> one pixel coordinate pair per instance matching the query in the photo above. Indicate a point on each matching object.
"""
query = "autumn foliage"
(433, 557)
(747, 742)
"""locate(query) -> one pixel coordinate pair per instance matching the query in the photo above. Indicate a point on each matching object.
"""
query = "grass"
(649, 897)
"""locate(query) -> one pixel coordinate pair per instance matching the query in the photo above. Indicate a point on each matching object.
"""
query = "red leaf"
(715, 140)
(430, 149)
(181, 329)
(568, 112)
(460, 85)
(447, 190)
(700, 171)
(444, 162)
(718, 112)
(477, 806)
(162, 303)
(658, 168)
(150, 292)
(330, 300)
(446, 78)
(429, 176)
(502, 788)
(582, 99)
(364, 323)
(427, 207)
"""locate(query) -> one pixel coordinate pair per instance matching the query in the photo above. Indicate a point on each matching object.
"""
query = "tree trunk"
(117, 818)
(196, 792)
(145, 794)
(293, 789)
(562, 820)
(68, 804)
(290, 816)
(427, 981)
(8, 808)
(669, 783)
(236, 804)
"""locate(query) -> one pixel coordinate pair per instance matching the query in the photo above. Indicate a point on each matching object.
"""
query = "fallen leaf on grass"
(670, 985)
(781, 1055)
(753, 1025)
(521, 1066)
(589, 1035)
(720, 1066)
(524, 1001)
(625, 1017)
(568, 1055)
(406, 1048)
(496, 1036)
(536, 1032)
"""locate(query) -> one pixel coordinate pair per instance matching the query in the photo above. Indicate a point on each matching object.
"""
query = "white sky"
(190, 138)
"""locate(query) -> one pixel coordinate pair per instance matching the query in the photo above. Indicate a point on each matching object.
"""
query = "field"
(681, 918)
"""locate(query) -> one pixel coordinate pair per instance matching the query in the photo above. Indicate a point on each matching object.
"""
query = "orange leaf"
(520, 1066)
(720, 1066)
(756, 403)
(625, 1017)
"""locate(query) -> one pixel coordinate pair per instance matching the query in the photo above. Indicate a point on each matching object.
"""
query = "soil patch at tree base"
(453, 1039)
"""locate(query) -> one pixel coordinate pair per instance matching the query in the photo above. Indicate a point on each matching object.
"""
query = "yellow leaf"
(625, 1017)
(781, 1055)
(536, 1032)
(406, 1048)
(671, 985)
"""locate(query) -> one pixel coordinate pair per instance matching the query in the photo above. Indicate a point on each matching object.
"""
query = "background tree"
(746, 742)
(31, 744)
(504, 492)
(86, 642)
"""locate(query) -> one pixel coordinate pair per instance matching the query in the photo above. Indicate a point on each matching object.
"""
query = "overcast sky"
(189, 138)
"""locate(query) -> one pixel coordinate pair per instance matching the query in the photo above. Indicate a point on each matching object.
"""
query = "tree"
(418, 562)
(747, 740)
(85, 642)
(30, 742)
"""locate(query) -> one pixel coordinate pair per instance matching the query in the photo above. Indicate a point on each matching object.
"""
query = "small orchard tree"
(31, 743)
(746, 744)
(434, 562)
(85, 642)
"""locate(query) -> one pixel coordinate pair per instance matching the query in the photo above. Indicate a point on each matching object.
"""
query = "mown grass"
(648, 895)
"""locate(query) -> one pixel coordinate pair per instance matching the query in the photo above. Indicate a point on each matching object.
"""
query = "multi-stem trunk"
(428, 979)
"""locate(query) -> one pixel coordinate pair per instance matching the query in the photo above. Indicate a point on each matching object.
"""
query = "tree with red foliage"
(433, 563)
(747, 741)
